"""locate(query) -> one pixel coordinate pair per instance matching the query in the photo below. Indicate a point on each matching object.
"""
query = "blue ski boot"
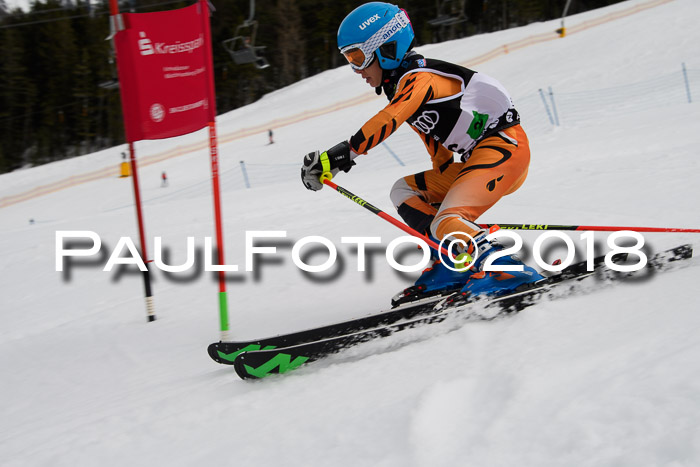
(470, 281)
(481, 282)
(436, 280)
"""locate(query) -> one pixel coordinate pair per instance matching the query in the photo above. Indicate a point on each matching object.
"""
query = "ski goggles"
(360, 56)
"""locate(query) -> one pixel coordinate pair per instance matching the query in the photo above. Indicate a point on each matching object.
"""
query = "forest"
(59, 96)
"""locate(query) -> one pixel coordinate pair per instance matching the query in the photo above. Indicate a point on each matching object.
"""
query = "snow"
(605, 379)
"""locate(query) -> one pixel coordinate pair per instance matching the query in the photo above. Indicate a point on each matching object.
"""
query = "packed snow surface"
(608, 378)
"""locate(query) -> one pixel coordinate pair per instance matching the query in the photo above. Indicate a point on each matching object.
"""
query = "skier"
(453, 110)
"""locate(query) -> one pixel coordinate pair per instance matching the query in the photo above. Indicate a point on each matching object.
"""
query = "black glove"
(332, 161)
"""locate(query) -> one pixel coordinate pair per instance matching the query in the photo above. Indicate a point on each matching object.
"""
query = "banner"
(165, 72)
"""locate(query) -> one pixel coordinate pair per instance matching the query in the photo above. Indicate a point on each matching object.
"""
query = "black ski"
(262, 358)
(227, 352)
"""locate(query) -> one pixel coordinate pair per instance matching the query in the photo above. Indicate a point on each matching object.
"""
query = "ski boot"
(437, 280)
(470, 280)
(494, 283)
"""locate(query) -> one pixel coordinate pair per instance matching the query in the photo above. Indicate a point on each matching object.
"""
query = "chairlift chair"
(448, 18)
(242, 46)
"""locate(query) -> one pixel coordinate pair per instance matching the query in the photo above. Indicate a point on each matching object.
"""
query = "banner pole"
(150, 312)
(214, 155)
(148, 289)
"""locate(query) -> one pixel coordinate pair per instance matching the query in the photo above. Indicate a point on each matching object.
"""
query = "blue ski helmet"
(375, 28)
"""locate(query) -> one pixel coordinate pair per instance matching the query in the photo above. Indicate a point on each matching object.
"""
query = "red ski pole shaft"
(375, 210)
(600, 228)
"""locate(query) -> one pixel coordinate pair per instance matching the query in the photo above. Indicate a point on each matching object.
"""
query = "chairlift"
(110, 84)
(448, 18)
(113, 82)
(242, 46)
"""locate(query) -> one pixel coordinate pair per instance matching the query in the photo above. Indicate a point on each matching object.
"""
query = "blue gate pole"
(245, 175)
(554, 107)
(546, 107)
(687, 84)
(394, 154)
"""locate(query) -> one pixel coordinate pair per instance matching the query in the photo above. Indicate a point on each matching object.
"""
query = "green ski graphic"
(232, 356)
(283, 360)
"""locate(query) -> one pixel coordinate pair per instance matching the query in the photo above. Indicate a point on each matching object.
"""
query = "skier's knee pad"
(401, 192)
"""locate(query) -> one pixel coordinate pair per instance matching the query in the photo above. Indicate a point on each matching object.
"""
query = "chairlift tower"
(242, 46)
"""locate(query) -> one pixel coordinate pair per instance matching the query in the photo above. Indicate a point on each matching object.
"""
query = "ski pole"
(326, 179)
(375, 210)
(599, 228)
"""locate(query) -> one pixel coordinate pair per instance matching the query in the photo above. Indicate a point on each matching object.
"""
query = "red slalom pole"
(375, 210)
(599, 228)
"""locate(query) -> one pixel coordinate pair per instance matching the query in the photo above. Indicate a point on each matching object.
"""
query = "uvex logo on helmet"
(369, 21)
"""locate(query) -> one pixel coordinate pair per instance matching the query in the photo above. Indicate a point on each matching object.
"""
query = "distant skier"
(164, 180)
(269, 134)
(453, 110)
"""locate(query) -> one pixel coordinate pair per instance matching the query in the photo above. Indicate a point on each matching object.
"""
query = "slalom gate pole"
(599, 228)
(375, 210)
(224, 323)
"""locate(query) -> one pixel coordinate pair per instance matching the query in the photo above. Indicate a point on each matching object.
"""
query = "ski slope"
(605, 379)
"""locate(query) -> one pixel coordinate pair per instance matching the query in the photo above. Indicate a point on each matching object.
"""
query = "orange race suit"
(453, 110)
